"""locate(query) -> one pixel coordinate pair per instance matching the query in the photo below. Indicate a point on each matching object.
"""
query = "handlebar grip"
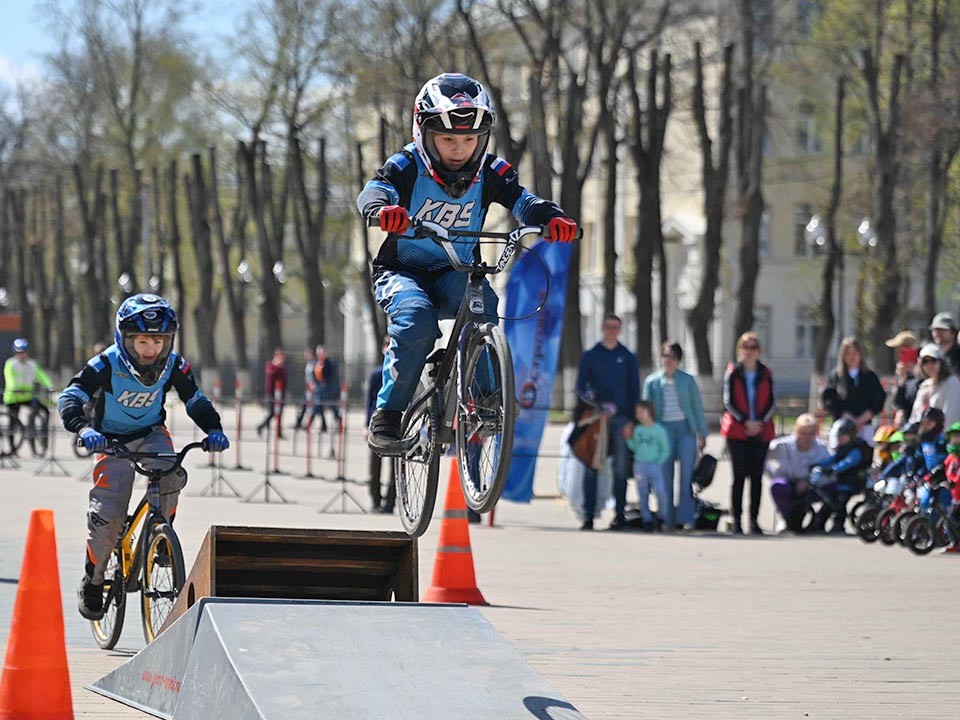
(546, 233)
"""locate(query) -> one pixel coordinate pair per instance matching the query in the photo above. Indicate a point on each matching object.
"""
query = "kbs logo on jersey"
(449, 215)
(137, 399)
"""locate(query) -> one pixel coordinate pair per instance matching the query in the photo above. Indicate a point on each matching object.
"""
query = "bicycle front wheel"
(163, 577)
(39, 432)
(418, 468)
(486, 415)
(11, 433)
(106, 630)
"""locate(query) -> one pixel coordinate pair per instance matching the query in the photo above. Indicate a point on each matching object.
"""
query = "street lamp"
(866, 235)
(125, 283)
(815, 233)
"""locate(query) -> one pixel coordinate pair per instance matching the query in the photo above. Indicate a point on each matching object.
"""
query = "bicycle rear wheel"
(163, 577)
(486, 414)
(11, 433)
(106, 630)
(418, 468)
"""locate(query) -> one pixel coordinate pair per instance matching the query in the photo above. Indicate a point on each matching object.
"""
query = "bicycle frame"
(472, 311)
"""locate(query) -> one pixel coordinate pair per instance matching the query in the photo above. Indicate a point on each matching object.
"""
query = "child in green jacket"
(650, 448)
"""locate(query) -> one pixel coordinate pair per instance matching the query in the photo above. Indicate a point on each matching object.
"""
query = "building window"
(806, 332)
(801, 248)
(764, 234)
(808, 141)
(762, 315)
(805, 16)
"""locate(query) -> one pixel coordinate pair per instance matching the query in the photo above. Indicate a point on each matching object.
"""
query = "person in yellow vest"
(21, 374)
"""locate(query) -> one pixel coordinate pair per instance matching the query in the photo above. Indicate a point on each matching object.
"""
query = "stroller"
(706, 514)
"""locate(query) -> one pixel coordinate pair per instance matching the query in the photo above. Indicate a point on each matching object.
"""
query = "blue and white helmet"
(452, 104)
(20, 345)
(145, 314)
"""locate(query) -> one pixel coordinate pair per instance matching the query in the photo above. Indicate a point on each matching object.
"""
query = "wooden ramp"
(303, 564)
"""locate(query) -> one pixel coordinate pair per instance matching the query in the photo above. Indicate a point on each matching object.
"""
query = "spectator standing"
(309, 360)
(853, 391)
(789, 459)
(747, 424)
(326, 388)
(609, 376)
(943, 330)
(940, 387)
(905, 343)
(377, 502)
(650, 448)
(275, 373)
(678, 407)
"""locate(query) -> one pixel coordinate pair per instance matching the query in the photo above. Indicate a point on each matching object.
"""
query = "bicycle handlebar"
(425, 229)
(119, 450)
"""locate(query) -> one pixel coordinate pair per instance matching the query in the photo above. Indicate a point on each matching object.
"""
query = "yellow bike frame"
(127, 543)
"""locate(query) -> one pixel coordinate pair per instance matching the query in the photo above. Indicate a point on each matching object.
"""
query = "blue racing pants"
(414, 305)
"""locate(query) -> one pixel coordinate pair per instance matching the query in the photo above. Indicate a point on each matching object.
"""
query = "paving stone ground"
(625, 625)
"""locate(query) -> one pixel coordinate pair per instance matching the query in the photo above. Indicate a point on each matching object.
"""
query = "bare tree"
(173, 228)
(716, 174)
(884, 124)
(225, 241)
(750, 127)
(208, 301)
(649, 126)
(66, 351)
(92, 255)
(835, 254)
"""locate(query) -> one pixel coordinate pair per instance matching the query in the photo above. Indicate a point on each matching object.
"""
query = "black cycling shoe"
(90, 599)
(384, 435)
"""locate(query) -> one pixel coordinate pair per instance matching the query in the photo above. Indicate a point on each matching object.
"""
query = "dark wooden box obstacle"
(298, 563)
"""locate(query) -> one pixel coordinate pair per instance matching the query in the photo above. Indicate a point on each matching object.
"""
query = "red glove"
(562, 229)
(393, 219)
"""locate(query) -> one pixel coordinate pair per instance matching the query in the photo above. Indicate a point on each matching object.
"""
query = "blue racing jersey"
(126, 409)
(404, 180)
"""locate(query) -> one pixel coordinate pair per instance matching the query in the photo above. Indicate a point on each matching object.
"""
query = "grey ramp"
(151, 679)
(353, 661)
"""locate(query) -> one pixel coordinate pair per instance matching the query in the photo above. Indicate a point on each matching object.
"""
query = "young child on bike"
(132, 377)
(951, 467)
(840, 476)
(926, 452)
(445, 176)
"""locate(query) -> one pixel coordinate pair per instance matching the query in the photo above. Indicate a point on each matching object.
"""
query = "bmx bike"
(467, 396)
(147, 557)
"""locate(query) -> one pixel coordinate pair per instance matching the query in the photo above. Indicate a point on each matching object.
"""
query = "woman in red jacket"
(748, 425)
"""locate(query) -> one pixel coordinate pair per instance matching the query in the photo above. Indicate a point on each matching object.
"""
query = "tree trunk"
(161, 244)
(92, 259)
(205, 311)
(885, 295)
(608, 124)
(45, 299)
(174, 223)
(834, 261)
(715, 176)
(378, 320)
(234, 307)
(311, 217)
(66, 350)
(17, 204)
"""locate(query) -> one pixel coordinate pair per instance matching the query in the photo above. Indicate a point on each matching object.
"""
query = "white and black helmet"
(452, 104)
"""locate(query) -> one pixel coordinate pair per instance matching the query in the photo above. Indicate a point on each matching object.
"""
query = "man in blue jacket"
(609, 377)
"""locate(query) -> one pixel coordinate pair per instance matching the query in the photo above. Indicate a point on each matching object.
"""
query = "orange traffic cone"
(453, 578)
(36, 681)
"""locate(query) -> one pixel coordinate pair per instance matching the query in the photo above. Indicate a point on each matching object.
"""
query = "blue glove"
(216, 442)
(93, 440)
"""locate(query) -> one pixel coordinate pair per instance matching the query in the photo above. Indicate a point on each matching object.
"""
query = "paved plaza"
(625, 625)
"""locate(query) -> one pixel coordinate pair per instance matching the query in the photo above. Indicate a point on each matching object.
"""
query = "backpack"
(589, 440)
